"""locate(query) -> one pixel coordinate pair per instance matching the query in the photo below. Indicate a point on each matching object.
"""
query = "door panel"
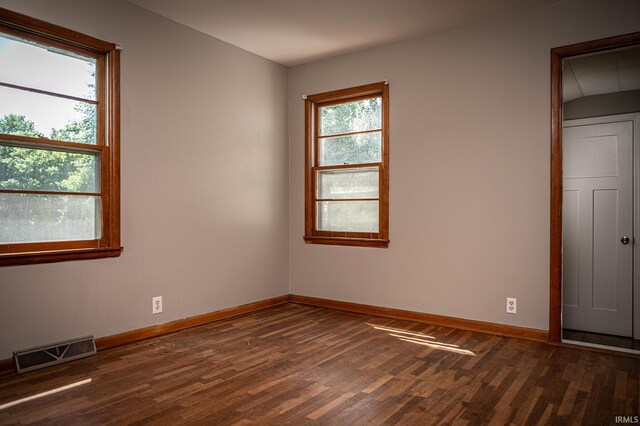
(597, 212)
(570, 267)
(605, 262)
(591, 157)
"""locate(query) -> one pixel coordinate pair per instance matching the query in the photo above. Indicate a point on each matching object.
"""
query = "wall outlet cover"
(156, 303)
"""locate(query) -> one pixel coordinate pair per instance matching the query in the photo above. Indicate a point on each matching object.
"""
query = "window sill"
(14, 259)
(345, 241)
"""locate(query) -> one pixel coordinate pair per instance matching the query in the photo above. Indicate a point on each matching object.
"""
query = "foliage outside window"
(59, 140)
(347, 167)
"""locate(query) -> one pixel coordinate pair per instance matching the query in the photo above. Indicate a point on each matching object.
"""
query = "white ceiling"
(293, 32)
(601, 73)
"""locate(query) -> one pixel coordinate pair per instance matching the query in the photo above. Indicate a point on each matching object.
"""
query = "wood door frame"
(558, 54)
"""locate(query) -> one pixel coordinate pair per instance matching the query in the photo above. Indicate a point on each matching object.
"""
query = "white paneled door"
(597, 223)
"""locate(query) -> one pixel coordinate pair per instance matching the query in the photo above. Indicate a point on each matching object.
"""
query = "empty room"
(237, 212)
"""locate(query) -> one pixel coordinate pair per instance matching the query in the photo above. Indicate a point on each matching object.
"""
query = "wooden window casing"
(313, 103)
(106, 148)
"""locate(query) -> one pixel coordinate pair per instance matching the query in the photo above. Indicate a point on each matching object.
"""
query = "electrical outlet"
(156, 305)
(512, 305)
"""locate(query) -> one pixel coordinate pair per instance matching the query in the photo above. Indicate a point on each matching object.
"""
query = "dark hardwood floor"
(297, 364)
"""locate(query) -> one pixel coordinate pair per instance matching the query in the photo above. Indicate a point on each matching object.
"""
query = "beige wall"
(205, 190)
(469, 167)
(204, 185)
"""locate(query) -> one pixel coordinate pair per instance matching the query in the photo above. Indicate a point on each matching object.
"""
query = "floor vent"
(56, 353)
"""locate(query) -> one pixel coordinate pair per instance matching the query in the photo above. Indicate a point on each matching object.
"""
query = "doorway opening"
(595, 194)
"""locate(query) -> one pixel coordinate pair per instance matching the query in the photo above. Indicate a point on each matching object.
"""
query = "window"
(59, 140)
(347, 167)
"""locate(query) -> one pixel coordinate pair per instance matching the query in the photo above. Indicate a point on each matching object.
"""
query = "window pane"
(350, 216)
(42, 170)
(46, 68)
(37, 218)
(32, 114)
(349, 117)
(349, 183)
(354, 149)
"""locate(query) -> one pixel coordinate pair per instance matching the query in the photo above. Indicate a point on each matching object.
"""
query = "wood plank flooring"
(295, 364)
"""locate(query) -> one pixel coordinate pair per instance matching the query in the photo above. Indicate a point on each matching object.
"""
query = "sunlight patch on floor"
(397, 330)
(43, 394)
(421, 339)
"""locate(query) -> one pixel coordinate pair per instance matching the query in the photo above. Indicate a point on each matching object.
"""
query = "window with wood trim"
(59, 143)
(347, 167)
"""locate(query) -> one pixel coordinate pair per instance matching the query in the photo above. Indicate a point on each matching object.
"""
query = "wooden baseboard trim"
(439, 320)
(182, 324)
(6, 365)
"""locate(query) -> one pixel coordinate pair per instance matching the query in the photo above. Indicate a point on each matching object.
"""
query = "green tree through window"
(27, 168)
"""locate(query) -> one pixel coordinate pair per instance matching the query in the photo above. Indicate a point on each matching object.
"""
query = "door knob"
(624, 240)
